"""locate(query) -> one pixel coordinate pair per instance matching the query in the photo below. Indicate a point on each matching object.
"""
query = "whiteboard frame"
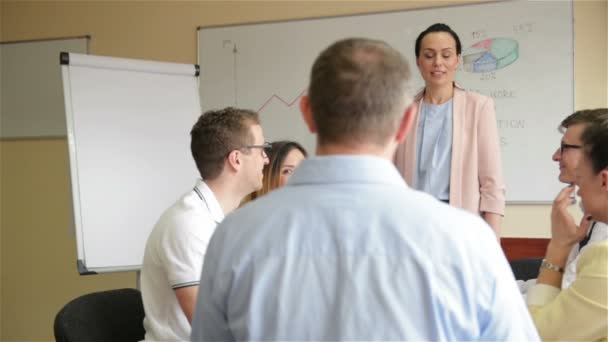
(573, 56)
(66, 60)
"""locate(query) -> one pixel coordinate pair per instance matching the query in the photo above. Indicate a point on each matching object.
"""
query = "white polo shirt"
(174, 258)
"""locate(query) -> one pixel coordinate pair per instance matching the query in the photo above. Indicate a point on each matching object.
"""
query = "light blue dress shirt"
(346, 251)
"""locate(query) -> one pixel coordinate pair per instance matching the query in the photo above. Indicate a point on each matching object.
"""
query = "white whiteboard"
(32, 99)
(129, 127)
(265, 67)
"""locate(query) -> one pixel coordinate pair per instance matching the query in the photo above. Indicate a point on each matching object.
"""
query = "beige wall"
(37, 247)
(1, 196)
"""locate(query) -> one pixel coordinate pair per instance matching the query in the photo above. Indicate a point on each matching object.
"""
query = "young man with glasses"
(228, 149)
(568, 156)
(346, 250)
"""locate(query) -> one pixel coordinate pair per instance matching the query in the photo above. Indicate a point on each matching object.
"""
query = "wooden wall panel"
(518, 248)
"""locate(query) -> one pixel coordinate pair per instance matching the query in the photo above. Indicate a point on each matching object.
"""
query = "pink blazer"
(476, 182)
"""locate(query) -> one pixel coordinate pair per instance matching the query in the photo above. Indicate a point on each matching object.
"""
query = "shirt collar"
(346, 169)
(210, 201)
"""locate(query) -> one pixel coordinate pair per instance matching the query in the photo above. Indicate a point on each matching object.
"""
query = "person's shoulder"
(465, 229)
(595, 252)
(260, 209)
(474, 96)
(184, 204)
(593, 261)
(600, 225)
(186, 217)
(476, 105)
(457, 236)
(445, 218)
(243, 231)
(460, 219)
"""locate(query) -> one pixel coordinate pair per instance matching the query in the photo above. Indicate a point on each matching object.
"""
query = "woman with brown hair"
(452, 151)
(284, 156)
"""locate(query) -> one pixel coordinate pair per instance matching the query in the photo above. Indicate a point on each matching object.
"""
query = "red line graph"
(286, 103)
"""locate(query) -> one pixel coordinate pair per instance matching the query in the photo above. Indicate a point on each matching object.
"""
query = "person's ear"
(406, 124)
(234, 160)
(307, 114)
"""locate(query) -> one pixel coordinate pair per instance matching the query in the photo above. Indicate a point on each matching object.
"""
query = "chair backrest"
(114, 315)
(524, 269)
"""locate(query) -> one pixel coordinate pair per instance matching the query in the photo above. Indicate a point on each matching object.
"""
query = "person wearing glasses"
(346, 251)
(229, 151)
(568, 155)
(579, 312)
(453, 151)
(284, 156)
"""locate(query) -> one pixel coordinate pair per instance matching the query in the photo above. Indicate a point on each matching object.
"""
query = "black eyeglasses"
(563, 147)
(265, 147)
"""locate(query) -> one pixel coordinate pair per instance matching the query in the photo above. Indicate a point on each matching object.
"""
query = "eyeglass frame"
(563, 147)
(264, 147)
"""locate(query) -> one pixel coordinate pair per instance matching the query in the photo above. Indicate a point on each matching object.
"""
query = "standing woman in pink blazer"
(453, 152)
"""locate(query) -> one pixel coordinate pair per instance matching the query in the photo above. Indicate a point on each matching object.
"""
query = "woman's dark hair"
(438, 28)
(595, 140)
(272, 171)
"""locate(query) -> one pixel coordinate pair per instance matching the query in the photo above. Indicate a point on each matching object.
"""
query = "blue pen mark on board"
(490, 55)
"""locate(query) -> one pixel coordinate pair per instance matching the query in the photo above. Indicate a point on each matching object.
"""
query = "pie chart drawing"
(490, 54)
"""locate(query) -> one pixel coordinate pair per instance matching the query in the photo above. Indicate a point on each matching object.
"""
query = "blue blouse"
(434, 149)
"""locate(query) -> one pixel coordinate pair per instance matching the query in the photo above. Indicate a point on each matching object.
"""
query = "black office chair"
(524, 269)
(115, 315)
